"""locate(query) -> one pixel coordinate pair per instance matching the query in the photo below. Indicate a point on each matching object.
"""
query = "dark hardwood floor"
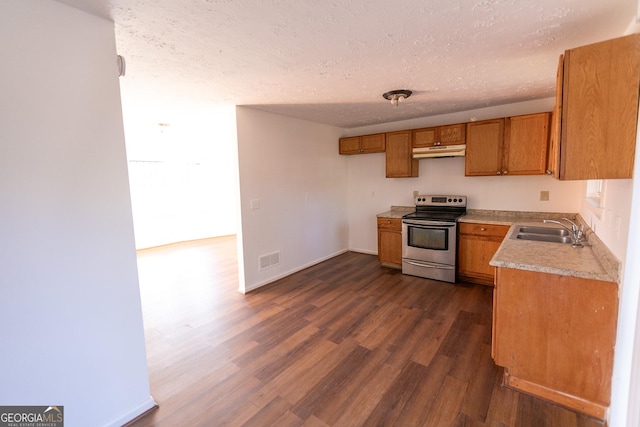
(343, 343)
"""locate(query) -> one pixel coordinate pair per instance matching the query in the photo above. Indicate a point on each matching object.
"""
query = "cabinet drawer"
(394, 224)
(493, 230)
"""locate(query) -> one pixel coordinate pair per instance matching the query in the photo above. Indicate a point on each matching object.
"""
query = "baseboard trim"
(364, 251)
(135, 414)
(593, 409)
(290, 272)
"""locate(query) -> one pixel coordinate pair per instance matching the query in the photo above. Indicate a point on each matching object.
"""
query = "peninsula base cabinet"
(554, 335)
(390, 242)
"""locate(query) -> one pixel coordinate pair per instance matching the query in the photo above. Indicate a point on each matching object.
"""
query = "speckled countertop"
(397, 212)
(510, 217)
(594, 261)
(555, 258)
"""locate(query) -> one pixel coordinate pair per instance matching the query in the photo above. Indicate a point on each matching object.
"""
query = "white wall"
(70, 317)
(612, 225)
(620, 230)
(291, 168)
(624, 202)
(626, 371)
(371, 193)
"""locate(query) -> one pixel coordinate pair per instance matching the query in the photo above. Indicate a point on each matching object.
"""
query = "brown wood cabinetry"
(596, 112)
(526, 142)
(390, 242)
(553, 155)
(363, 144)
(477, 243)
(485, 141)
(511, 146)
(555, 335)
(399, 160)
(441, 135)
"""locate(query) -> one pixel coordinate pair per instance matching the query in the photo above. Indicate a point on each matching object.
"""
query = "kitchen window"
(595, 196)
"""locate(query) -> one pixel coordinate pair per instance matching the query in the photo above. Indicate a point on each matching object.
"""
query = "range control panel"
(428, 200)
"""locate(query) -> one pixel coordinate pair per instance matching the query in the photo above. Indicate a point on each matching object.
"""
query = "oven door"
(429, 241)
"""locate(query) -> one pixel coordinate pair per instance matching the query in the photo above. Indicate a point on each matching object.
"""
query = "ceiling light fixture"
(396, 96)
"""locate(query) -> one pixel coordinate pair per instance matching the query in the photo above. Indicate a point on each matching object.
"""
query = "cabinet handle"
(436, 143)
(505, 172)
(549, 172)
(498, 173)
(388, 222)
(483, 229)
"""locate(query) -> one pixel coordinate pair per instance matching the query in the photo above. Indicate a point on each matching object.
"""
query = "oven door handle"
(428, 224)
(429, 264)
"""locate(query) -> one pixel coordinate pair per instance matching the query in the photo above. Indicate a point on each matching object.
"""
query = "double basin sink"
(542, 234)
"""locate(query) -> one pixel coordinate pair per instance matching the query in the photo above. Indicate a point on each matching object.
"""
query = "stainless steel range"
(429, 237)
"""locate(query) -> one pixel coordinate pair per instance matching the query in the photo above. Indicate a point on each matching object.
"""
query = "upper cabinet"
(510, 146)
(553, 157)
(441, 135)
(363, 144)
(399, 161)
(485, 142)
(526, 141)
(596, 113)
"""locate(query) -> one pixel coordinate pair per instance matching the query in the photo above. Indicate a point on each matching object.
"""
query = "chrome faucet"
(576, 231)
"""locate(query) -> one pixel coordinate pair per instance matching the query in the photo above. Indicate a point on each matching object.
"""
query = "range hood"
(439, 151)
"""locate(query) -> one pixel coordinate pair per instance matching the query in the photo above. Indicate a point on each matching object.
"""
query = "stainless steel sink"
(543, 230)
(542, 234)
(544, 238)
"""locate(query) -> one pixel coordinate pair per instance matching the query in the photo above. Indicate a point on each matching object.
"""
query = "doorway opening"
(182, 173)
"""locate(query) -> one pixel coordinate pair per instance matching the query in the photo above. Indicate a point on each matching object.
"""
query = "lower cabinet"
(390, 242)
(477, 243)
(554, 335)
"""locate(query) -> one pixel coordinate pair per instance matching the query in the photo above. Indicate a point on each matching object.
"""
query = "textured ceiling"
(329, 61)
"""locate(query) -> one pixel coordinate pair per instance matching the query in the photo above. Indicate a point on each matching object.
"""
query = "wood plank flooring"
(343, 343)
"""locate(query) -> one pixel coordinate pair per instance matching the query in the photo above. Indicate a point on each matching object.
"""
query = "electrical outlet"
(544, 196)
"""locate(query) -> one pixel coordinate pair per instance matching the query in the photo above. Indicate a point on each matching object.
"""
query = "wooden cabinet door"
(600, 109)
(555, 336)
(349, 145)
(553, 156)
(477, 244)
(484, 148)
(474, 254)
(525, 144)
(390, 242)
(399, 161)
(452, 134)
(372, 143)
(362, 144)
(426, 137)
(441, 135)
